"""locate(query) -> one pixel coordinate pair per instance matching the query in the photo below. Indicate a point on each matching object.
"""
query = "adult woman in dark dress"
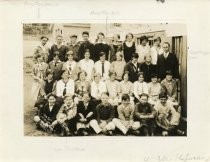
(101, 46)
(128, 47)
(115, 47)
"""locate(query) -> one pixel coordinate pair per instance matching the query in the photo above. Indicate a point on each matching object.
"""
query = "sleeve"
(98, 118)
(174, 95)
(60, 111)
(175, 116)
(112, 114)
(135, 90)
(153, 111)
(136, 113)
(58, 90)
(54, 88)
(145, 88)
(120, 113)
(132, 113)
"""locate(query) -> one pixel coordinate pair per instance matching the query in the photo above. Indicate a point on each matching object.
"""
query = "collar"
(69, 107)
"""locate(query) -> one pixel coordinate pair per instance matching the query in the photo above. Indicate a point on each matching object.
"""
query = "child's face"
(51, 100)
(100, 37)
(102, 58)
(86, 98)
(68, 101)
(97, 78)
(44, 41)
(50, 76)
(65, 75)
(141, 78)
(115, 37)
(143, 100)
(125, 77)
(85, 37)
(126, 102)
(144, 42)
(129, 37)
(148, 59)
(70, 56)
(154, 79)
(82, 76)
(134, 60)
(40, 59)
(163, 101)
(118, 57)
(104, 99)
(169, 77)
(56, 58)
(59, 40)
(87, 55)
(112, 77)
(73, 39)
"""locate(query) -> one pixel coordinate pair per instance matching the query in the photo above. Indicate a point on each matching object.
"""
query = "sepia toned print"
(105, 79)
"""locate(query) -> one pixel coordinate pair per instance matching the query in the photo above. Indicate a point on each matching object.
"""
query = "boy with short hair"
(104, 115)
(46, 117)
(145, 114)
(66, 116)
(85, 113)
(167, 117)
(125, 115)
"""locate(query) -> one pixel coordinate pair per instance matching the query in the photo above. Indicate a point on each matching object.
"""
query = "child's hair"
(51, 95)
(139, 74)
(167, 43)
(163, 95)
(62, 71)
(68, 95)
(153, 75)
(147, 55)
(82, 71)
(126, 72)
(169, 72)
(105, 93)
(101, 54)
(97, 74)
(59, 36)
(100, 34)
(70, 52)
(120, 54)
(156, 39)
(144, 94)
(38, 56)
(135, 55)
(85, 33)
(142, 38)
(118, 36)
(86, 93)
(125, 97)
(128, 35)
(112, 73)
(42, 37)
(49, 72)
(87, 50)
(73, 36)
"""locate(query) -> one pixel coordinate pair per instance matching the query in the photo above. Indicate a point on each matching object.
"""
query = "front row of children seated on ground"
(85, 118)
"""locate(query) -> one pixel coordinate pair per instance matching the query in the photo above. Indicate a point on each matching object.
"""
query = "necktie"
(64, 91)
(102, 69)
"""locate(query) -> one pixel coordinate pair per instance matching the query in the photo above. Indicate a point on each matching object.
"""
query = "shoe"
(164, 133)
(85, 133)
(110, 133)
(136, 132)
(180, 132)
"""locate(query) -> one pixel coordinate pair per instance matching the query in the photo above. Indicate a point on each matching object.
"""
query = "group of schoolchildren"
(118, 88)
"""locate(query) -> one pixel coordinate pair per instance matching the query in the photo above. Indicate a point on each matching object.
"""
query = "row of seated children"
(84, 118)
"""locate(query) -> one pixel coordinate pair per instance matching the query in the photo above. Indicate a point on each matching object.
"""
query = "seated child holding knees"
(125, 114)
(46, 118)
(66, 116)
(85, 113)
(104, 115)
